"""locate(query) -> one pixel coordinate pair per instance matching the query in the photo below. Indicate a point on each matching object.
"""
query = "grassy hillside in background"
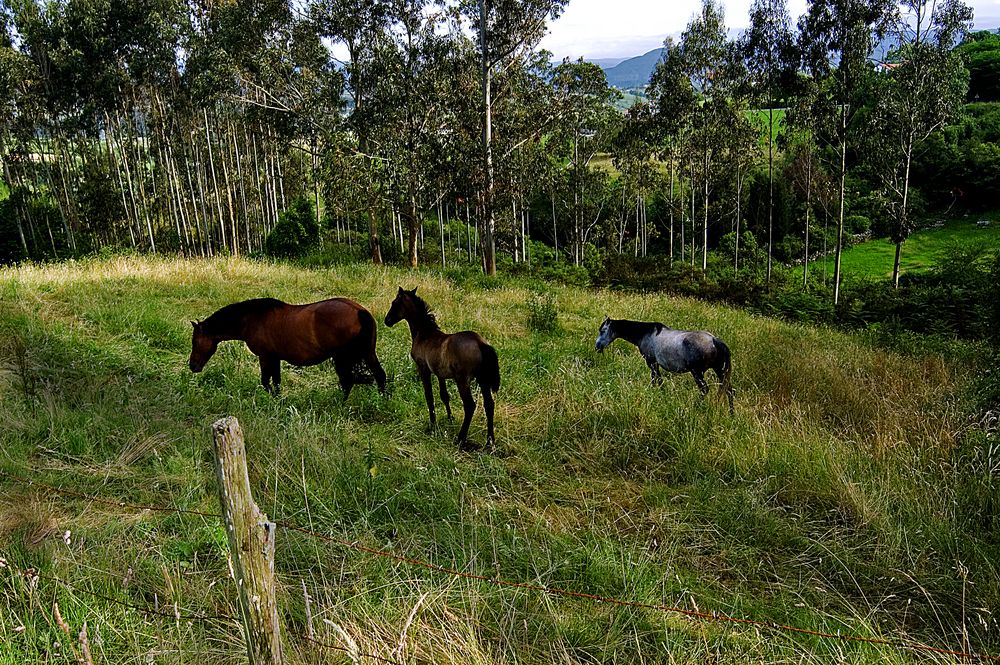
(923, 249)
(849, 493)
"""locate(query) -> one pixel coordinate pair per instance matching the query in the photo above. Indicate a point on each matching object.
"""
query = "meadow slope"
(849, 493)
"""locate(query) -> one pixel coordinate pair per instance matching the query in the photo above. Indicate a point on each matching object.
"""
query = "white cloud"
(625, 28)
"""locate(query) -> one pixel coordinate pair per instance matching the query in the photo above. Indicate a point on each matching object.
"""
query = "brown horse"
(461, 356)
(338, 329)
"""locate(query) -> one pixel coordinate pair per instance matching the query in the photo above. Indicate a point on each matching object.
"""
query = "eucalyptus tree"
(689, 88)
(88, 60)
(16, 76)
(803, 118)
(633, 151)
(584, 100)
(921, 91)
(740, 137)
(406, 115)
(767, 48)
(672, 102)
(836, 39)
(360, 26)
(506, 31)
(527, 107)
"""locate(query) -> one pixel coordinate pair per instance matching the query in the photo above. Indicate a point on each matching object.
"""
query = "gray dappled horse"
(676, 351)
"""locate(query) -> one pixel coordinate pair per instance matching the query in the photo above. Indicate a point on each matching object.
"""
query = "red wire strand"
(555, 591)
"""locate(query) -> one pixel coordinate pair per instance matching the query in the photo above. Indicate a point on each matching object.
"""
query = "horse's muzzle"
(599, 348)
(195, 367)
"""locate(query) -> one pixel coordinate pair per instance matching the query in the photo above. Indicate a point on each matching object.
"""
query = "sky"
(626, 28)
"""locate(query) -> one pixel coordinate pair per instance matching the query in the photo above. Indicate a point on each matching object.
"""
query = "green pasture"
(923, 249)
(851, 492)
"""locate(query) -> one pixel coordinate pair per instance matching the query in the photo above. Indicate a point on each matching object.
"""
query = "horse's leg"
(445, 397)
(699, 378)
(725, 385)
(654, 372)
(375, 367)
(488, 406)
(270, 369)
(469, 405)
(425, 378)
(345, 372)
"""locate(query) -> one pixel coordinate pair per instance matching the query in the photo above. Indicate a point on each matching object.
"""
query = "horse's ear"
(414, 291)
(399, 290)
(194, 324)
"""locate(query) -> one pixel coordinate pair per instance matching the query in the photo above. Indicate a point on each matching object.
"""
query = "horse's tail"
(724, 369)
(489, 371)
(369, 331)
(365, 350)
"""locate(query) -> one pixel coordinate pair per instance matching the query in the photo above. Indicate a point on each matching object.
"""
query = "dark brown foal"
(460, 356)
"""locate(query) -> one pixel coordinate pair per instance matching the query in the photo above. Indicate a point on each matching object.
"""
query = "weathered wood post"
(251, 542)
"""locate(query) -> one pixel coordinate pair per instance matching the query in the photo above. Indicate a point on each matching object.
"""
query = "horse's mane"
(425, 313)
(230, 318)
(633, 331)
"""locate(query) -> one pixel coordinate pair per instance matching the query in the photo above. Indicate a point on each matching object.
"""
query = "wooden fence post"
(251, 542)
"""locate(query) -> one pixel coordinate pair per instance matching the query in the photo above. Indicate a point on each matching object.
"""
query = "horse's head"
(401, 307)
(202, 347)
(605, 335)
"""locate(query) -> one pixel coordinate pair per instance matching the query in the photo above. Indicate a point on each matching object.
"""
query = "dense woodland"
(445, 135)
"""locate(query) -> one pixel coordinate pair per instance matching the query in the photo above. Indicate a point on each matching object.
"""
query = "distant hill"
(605, 63)
(634, 72)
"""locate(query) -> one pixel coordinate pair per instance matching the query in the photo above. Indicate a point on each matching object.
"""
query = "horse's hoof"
(468, 446)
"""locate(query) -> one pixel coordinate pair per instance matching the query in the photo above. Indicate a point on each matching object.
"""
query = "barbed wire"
(708, 616)
(352, 652)
(555, 591)
(185, 616)
(145, 609)
(107, 502)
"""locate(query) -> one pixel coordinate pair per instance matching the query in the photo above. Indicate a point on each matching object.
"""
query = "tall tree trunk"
(739, 216)
(374, 248)
(704, 229)
(805, 258)
(10, 181)
(903, 213)
(115, 164)
(441, 229)
(555, 230)
(262, 208)
(243, 194)
(527, 236)
(413, 224)
(314, 171)
(489, 224)
(694, 231)
(770, 186)
(840, 215)
(672, 203)
(198, 168)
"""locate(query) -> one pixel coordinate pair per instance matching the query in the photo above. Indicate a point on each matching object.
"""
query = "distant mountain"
(605, 63)
(634, 72)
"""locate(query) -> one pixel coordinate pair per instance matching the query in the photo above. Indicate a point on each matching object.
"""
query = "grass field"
(850, 493)
(923, 249)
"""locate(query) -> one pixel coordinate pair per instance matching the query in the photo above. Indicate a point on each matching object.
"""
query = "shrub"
(857, 224)
(542, 313)
(296, 232)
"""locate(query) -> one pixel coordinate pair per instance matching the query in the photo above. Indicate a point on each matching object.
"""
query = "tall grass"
(848, 493)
